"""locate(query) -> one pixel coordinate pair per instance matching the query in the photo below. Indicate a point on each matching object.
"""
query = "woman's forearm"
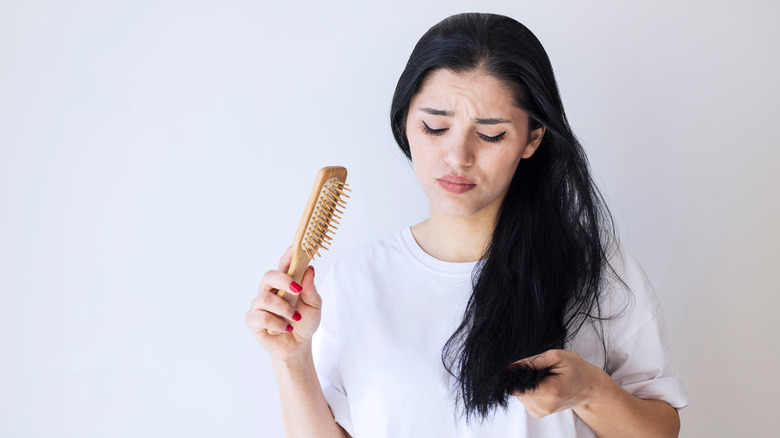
(617, 413)
(305, 412)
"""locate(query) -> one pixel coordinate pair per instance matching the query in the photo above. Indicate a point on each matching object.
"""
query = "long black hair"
(544, 268)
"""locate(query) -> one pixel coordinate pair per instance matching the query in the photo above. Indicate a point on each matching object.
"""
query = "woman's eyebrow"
(438, 112)
(490, 121)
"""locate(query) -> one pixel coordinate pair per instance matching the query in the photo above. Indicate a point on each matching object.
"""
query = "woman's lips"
(455, 187)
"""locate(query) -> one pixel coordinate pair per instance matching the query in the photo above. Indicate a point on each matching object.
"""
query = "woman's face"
(467, 137)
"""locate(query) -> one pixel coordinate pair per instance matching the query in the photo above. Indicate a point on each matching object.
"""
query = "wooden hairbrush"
(318, 218)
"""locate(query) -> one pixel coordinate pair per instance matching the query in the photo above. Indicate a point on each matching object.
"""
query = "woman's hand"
(575, 385)
(602, 404)
(270, 311)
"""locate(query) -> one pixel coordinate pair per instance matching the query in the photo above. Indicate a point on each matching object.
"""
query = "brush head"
(324, 215)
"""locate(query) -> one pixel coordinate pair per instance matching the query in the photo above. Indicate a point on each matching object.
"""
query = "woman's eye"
(494, 139)
(428, 130)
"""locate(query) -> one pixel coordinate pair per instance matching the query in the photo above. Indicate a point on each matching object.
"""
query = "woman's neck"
(455, 239)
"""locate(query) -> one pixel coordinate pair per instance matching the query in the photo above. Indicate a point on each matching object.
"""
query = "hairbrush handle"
(317, 220)
(296, 271)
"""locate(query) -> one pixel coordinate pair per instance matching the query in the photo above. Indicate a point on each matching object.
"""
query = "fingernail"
(289, 328)
(295, 287)
(296, 316)
(312, 270)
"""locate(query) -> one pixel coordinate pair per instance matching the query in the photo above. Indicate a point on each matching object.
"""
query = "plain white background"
(156, 156)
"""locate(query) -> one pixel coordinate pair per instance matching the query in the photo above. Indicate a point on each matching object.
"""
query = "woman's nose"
(459, 151)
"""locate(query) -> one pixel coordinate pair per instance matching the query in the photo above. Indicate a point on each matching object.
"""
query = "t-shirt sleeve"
(639, 359)
(326, 353)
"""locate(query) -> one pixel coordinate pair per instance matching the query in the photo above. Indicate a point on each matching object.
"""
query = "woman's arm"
(305, 413)
(614, 412)
(599, 401)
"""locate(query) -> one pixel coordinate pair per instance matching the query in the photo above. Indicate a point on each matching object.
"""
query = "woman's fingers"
(260, 320)
(309, 294)
(572, 386)
(271, 313)
(305, 315)
(275, 304)
(276, 280)
(284, 262)
(550, 358)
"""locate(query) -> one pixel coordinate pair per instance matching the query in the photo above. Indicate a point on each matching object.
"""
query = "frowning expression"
(467, 136)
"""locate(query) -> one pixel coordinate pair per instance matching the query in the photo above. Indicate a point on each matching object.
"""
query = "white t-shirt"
(389, 307)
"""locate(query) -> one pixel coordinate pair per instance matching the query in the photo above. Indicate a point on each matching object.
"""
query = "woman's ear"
(535, 139)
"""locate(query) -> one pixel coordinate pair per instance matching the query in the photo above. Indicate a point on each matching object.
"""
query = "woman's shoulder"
(637, 339)
(624, 275)
(373, 258)
(390, 245)
(628, 297)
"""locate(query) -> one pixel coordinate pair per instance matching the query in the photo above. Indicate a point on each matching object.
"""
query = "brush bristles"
(324, 216)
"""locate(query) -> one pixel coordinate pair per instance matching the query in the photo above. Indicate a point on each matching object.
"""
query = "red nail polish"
(296, 316)
(312, 270)
(289, 328)
(295, 287)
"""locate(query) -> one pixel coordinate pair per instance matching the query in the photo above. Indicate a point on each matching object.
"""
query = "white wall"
(156, 156)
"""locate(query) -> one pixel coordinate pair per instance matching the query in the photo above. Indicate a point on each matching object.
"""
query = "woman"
(512, 294)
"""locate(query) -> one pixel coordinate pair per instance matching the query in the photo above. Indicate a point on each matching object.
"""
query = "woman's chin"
(456, 209)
